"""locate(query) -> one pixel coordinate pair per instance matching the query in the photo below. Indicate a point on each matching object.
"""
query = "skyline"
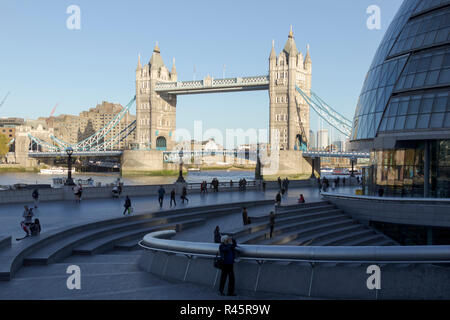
(77, 72)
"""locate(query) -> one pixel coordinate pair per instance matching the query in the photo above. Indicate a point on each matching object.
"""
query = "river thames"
(11, 178)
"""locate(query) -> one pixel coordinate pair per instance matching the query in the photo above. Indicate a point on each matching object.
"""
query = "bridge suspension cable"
(331, 116)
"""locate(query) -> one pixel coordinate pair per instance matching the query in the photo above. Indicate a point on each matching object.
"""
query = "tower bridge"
(157, 89)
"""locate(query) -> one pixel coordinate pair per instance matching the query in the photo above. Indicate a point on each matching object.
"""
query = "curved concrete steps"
(50, 247)
(292, 224)
(105, 243)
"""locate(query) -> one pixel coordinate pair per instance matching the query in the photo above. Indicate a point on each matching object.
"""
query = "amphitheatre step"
(291, 225)
(5, 242)
(107, 242)
(342, 239)
(301, 205)
(314, 238)
(297, 211)
(60, 249)
(367, 240)
(279, 220)
(314, 233)
(307, 231)
(109, 257)
(11, 259)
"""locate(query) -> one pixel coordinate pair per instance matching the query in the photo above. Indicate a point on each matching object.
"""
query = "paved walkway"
(57, 214)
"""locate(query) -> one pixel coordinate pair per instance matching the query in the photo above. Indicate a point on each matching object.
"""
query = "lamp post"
(69, 181)
(180, 177)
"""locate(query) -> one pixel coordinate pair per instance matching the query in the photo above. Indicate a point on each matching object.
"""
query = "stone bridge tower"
(289, 113)
(155, 113)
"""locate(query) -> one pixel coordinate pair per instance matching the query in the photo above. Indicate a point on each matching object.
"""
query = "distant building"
(73, 129)
(312, 140)
(338, 145)
(322, 139)
(8, 126)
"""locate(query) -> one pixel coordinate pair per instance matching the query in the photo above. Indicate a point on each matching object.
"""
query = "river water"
(10, 178)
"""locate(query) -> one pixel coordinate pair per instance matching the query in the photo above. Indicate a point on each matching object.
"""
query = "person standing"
(172, 198)
(217, 235)
(272, 222)
(183, 195)
(244, 216)
(161, 193)
(127, 205)
(28, 220)
(278, 199)
(35, 196)
(279, 183)
(227, 251)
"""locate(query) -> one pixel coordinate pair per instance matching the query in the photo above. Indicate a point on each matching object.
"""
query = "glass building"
(403, 112)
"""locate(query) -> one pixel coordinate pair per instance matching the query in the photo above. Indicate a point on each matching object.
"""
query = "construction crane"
(4, 99)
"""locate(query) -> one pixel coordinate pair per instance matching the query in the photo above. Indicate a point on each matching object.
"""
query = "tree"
(4, 146)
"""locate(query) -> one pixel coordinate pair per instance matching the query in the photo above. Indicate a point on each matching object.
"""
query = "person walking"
(127, 205)
(279, 183)
(183, 195)
(172, 198)
(35, 196)
(217, 235)
(227, 251)
(278, 199)
(161, 193)
(244, 216)
(271, 222)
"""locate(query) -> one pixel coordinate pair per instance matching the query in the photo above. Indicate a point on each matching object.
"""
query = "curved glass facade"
(413, 55)
(403, 112)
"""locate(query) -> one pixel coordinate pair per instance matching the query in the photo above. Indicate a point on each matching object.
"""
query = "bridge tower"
(289, 113)
(155, 113)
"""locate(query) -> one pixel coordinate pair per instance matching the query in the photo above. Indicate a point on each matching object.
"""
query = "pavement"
(57, 214)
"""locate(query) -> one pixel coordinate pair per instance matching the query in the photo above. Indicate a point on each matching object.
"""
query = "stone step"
(325, 234)
(301, 205)
(370, 239)
(342, 239)
(292, 226)
(127, 245)
(58, 250)
(252, 228)
(296, 211)
(109, 257)
(5, 242)
(307, 233)
(107, 242)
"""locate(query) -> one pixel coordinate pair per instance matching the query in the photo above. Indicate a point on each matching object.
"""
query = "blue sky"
(43, 63)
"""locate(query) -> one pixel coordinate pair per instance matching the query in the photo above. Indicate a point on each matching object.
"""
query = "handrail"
(311, 254)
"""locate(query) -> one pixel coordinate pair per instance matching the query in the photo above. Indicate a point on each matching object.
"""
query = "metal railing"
(311, 254)
(222, 185)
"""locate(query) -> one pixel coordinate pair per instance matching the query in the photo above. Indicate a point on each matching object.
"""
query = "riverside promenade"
(62, 213)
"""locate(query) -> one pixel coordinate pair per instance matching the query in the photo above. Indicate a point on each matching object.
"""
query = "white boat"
(193, 169)
(56, 171)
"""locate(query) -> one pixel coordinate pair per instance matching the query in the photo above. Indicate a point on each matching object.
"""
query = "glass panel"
(432, 78)
(440, 104)
(419, 80)
(447, 120)
(390, 124)
(422, 121)
(444, 77)
(400, 123)
(414, 105)
(427, 103)
(403, 107)
(411, 122)
(436, 120)
(383, 124)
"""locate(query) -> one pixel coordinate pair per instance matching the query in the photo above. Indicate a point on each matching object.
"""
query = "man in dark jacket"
(127, 205)
(227, 253)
